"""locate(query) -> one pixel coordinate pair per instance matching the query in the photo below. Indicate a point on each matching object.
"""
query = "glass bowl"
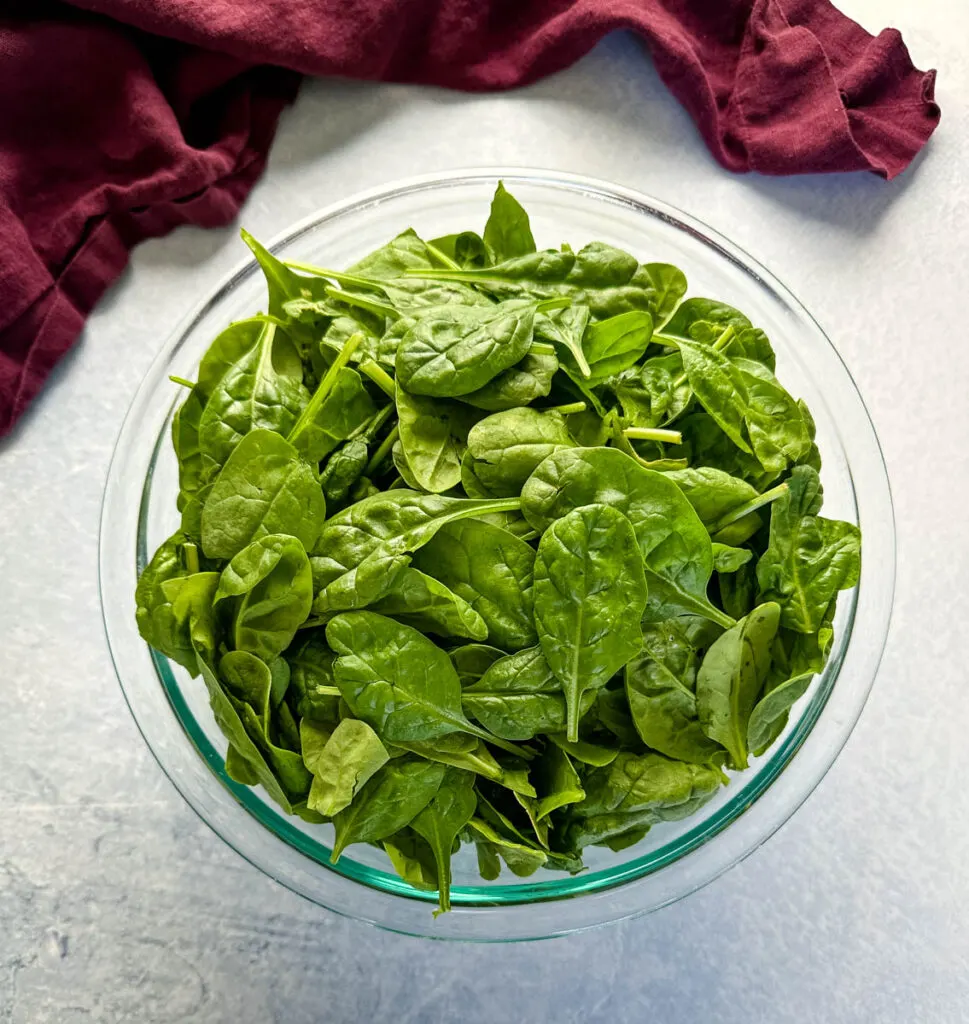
(675, 858)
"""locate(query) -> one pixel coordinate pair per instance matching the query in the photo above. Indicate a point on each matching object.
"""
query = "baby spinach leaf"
(342, 470)
(375, 576)
(770, 713)
(616, 344)
(472, 661)
(311, 679)
(454, 350)
(467, 249)
(738, 590)
(391, 799)
(492, 570)
(397, 680)
(262, 390)
(519, 697)
(664, 286)
(507, 446)
(566, 328)
(389, 524)
(448, 812)
(332, 415)
(427, 604)
(585, 752)
(683, 325)
(808, 558)
(675, 546)
(517, 386)
(508, 232)
(433, 434)
(522, 860)
(267, 590)
(730, 559)
(412, 858)
(777, 430)
(590, 594)
(731, 677)
(719, 386)
(351, 756)
(636, 791)
(471, 754)
(264, 487)
(660, 686)
(712, 492)
(185, 441)
(600, 265)
(153, 610)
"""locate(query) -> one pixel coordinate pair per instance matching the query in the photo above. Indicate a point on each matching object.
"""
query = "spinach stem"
(180, 380)
(653, 434)
(379, 376)
(362, 302)
(718, 346)
(541, 348)
(382, 452)
(442, 257)
(568, 409)
(369, 429)
(556, 302)
(749, 506)
(326, 385)
(353, 280)
(191, 553)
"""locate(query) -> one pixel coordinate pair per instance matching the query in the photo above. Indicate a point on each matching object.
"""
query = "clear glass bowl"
(676, 858)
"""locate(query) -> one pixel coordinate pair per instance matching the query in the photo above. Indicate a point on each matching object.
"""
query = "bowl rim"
(594, 884)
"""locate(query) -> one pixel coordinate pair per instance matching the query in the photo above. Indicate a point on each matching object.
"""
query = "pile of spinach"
(490, 545)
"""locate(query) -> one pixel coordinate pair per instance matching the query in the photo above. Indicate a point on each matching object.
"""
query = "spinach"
(808, 558)
(350, 756)
(433, 434)
(439, 823)
(507, 446)
(263, 488)
(590, 594)
(392, 798)
(676, 548)
(397, 681)
(454, 350)
(661, 688)
(731, 678)
(267, 591)
(263, 389)
(519, 697)
(492, 570)
(504, 635)
(508, 233)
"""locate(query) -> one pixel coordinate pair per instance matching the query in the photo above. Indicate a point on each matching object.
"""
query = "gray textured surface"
(117, 904)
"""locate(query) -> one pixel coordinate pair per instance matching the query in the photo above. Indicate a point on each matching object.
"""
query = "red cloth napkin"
(120, 119)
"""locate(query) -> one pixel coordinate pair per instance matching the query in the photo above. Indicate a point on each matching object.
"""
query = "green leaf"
(660, 686)
(392, 798)
(519, 697)
(471, 754)
(427, 604)
(590, 594)
(352, 755)
(397, 680)
(808, 558)
(519, 385)
(730, 559)
(556, 780)
(588, 753)
(449, 810)
(454, 350)
(522, 860)
(263, 488)
(263, 389)
(770, 713)
(412, 858)
(507, 446)
(719, 386)
(616, 344)
(664, 285)
(492, 570)
(433, 435)
(731, 677)
(674, 543)
(267, 590)
(472, 661)
(507, 233)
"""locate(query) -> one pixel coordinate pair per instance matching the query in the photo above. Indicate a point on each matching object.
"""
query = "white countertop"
(117, 904)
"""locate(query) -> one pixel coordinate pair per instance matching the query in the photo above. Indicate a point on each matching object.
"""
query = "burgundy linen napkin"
(120, 119)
